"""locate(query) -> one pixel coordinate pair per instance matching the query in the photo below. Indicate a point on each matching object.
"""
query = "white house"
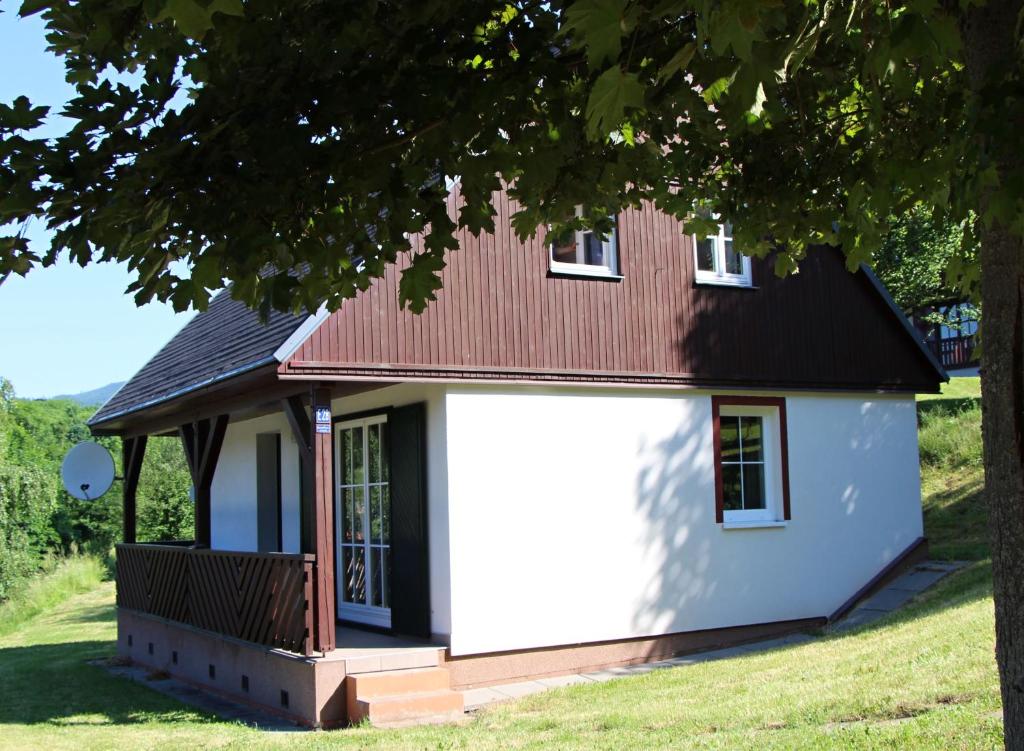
(579, 456)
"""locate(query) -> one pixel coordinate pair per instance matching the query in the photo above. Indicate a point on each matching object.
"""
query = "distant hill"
(93, 398)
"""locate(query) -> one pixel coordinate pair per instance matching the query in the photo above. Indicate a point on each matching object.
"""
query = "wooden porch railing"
(265, 598)
(955, 352)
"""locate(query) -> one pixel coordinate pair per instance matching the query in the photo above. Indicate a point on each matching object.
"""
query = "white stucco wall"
(586, 515)
(566, 515)
(233, 494)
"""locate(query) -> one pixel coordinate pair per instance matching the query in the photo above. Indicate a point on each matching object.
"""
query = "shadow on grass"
(53, 684)
(955, 519)
(94, 614)
(948, 406)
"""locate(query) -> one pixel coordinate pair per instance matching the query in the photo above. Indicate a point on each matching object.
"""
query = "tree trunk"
(989, 35)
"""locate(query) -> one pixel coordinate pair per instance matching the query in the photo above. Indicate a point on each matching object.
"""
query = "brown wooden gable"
(502, 315)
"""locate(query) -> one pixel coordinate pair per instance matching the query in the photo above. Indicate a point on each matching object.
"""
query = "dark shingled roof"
(225, 340)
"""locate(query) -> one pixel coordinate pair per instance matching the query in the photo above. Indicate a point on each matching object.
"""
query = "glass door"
(362, 521)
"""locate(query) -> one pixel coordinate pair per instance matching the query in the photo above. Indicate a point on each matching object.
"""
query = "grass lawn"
(924, 678)
(952, 474)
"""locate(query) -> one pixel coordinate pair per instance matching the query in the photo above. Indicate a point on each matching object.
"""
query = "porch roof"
(226, 340)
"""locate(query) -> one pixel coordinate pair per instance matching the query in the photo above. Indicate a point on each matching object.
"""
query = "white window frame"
(373, 615)
(772, 513)
(719, 275)
(610, 245)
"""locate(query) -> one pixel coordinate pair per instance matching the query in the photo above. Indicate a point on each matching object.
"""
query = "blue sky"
(66, 329)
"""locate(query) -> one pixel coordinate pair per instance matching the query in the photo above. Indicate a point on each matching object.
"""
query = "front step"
(402, 697)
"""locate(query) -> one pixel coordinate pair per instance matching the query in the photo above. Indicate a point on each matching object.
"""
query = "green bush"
(17, 563)
(28, 500)
(164, 509)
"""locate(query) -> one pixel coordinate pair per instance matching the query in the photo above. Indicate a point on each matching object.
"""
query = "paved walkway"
(893, 596)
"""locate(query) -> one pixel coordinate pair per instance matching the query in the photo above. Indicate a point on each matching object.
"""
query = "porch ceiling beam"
(263, 398)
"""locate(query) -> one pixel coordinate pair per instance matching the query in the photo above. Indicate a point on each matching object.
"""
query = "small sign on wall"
(322, 417)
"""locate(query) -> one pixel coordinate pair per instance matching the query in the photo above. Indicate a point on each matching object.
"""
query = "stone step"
(384, 683)
(404, 659)
(429, 707)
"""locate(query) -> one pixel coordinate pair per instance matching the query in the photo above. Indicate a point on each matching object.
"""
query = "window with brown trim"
(751, 460)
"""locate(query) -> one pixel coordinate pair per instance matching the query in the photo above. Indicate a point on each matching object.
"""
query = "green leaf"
(727, 30)
(227, 7)
(757, 108)
(612, 92)
(716, 90)
(31, 7)
(21, 115)
(420, 281)
(597, 26)
(192, 19)
(677, 62)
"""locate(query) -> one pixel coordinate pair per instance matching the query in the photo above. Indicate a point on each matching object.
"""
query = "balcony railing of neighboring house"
(265, 598)
(955, 352)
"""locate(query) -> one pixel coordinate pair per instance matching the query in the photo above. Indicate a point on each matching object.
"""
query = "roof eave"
(285, 350)
(907, 325)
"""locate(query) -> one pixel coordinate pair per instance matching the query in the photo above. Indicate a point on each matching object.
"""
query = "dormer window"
(718, 262)
(586, 253)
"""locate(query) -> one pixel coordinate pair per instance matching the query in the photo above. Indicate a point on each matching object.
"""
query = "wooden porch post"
(323, 515)
(202, 441)
(132, 452)
(315, 439)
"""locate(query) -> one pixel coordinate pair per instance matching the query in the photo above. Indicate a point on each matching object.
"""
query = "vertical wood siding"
(502, 314)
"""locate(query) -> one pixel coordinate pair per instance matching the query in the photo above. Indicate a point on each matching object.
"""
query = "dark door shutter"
(410, 576)
(268, 492)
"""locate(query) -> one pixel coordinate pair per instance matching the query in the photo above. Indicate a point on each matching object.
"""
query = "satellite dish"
(87, 471)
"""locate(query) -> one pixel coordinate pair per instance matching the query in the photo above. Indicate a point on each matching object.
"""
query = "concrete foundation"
(307, 690)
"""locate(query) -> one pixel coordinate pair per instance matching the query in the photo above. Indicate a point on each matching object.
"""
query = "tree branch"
(406, 138)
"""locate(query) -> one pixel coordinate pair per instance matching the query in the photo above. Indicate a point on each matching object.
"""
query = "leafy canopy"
(915, 257)
(294, 148)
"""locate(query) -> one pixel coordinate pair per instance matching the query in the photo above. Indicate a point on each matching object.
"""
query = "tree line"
(40, 522)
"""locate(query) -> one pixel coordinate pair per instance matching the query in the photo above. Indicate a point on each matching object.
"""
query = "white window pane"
(750, 437)
(358, 512)
(358, 460)
(376, 517)
(729, 435)
(378, 584)
(347, 510)
(706, 254)
(564, 252)
(753, 487)
(593, 250)
(733, 260)
(356, 576)
(374, 450)
(346, 457)
(732, 487)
